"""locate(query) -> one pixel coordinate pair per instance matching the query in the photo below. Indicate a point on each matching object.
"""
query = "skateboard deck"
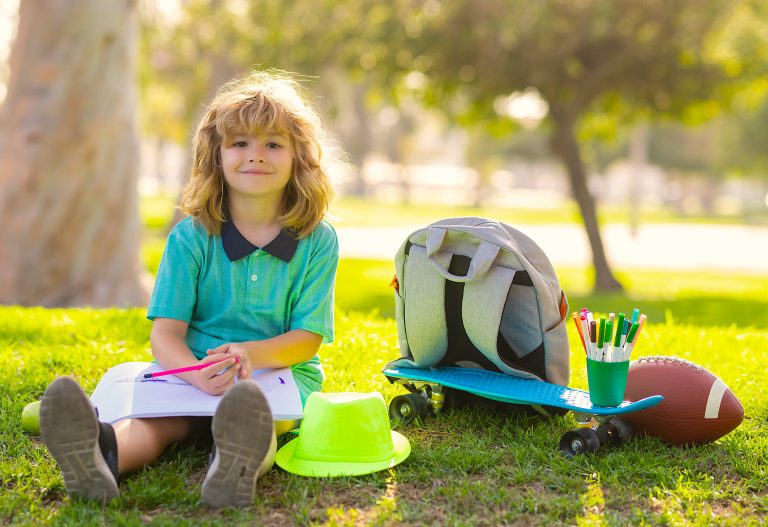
(516, 390)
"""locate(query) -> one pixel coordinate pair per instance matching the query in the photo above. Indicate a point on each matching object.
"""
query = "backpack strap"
(481, 261)
(482, 309)
(424, 316)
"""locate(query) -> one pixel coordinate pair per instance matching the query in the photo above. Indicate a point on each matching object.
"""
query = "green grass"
(156, 210)
(364, 212)
(467, 467)
(698, 298)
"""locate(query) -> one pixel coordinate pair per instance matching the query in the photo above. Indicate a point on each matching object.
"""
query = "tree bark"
(565, 146)
(69, 157)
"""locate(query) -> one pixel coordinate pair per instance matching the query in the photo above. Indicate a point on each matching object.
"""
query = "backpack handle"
(481, 261)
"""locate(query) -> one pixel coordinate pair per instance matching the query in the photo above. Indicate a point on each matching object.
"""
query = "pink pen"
(182, 370)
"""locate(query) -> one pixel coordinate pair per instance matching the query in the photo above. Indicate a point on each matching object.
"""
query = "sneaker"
(70, 429)
(244, 433)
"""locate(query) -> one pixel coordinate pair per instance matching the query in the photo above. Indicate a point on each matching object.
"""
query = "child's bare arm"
(171, 351)
(290, 348)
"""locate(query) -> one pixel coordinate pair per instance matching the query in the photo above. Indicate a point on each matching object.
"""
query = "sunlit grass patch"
(467, 467)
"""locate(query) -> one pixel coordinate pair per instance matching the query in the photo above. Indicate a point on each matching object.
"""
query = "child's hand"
(213, 380)
(244, 366)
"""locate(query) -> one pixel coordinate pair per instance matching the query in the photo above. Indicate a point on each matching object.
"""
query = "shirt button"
(254, 278)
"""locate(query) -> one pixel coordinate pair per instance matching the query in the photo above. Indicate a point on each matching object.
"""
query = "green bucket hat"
(343, 434)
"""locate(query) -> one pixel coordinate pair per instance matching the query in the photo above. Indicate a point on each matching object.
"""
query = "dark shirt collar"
(236, 246)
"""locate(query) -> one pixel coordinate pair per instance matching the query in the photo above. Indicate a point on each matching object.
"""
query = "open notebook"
(122, 393)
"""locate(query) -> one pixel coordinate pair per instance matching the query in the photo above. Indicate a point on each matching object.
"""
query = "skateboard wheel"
(407, 408)
(579, 441)
(603, 435)
(619, 430)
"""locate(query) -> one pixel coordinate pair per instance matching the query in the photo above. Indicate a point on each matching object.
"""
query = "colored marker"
(188, 368)
(585, 332)
(632, 332)
(628, 344)
(584, 313)
(616, 355)
(635, 315)
(619, 330)
(610, 338)
(578, 327)
(624, 332)
(640, 324)
(593, 339)
(601, 337)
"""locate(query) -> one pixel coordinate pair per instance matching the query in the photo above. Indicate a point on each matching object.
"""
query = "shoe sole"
(70, 429)
(242, 431)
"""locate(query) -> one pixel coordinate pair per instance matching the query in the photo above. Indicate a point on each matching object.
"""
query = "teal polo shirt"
(229, 290)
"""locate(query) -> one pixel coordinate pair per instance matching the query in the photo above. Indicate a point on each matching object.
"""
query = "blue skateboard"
(427, 386)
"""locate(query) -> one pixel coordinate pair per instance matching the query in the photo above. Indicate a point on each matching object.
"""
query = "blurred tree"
(742, 148)
(186, 59)
(183, 63)
(621, 57)
(69, 157)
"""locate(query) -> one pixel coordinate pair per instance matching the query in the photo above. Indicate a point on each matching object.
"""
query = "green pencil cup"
(607, 382)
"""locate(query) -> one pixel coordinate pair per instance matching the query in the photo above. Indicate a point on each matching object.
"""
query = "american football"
(697, 408)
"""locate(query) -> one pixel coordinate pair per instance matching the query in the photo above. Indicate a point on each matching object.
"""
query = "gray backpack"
(476, 293)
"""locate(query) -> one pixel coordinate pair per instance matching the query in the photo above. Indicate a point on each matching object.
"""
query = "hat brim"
(305, 467)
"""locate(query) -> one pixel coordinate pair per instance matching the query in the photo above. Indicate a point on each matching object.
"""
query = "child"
(248, 275)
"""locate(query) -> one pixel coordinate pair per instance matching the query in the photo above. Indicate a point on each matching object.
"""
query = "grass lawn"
(468, 467)
(359, 212)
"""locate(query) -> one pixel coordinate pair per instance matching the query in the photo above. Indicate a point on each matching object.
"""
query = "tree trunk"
(567, 149)
(69, 157)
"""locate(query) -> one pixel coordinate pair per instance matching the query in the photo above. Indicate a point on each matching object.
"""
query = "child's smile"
(257, 164)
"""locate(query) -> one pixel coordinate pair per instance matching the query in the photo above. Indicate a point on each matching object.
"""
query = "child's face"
(258, 165)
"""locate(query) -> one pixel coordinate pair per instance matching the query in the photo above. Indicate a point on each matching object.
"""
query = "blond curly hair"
(260, 100)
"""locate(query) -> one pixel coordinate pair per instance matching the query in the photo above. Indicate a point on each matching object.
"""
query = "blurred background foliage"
(578, 86)
(695, 71)
(653, 107)
(507, 75)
